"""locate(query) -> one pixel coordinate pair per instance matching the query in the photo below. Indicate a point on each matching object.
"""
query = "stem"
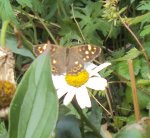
(137, 40)
(134, 91)
(77, 23)
(100, 104)
(3, 33)
(79, 110)
(51, 35)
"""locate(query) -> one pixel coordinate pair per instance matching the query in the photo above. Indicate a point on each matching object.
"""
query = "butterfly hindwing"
(74, 62)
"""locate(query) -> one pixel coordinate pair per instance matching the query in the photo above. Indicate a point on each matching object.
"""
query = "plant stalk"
(137, 40)
(3, 33)
(134, 91)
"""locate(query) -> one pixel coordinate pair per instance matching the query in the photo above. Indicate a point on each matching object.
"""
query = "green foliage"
(34, 109)
(6, 11)
(134, 131)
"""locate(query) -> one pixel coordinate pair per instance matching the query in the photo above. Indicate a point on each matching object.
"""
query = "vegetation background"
(120, 28)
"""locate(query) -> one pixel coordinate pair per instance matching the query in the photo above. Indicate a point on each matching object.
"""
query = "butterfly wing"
(89, 52)
(57, 54)
(78, 55)
(58, 59)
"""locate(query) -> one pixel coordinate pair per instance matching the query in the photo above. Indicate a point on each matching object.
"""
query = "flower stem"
(79, 110)
(137, 40)
(3, 33)
(48, 31)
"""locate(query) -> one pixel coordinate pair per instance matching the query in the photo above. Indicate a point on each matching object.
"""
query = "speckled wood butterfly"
(68, 59)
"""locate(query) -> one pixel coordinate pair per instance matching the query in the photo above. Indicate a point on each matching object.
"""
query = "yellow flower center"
(7, 87)
(77, 80)
(7, 90)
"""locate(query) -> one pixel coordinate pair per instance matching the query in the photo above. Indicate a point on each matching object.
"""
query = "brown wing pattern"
(57, 54)
(78, 55)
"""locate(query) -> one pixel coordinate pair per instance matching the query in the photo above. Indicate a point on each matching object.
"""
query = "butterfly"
(68, 59)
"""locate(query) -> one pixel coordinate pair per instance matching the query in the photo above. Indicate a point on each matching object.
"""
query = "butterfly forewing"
(57, 54)
(39, 49)
(89, 52)
(78, 55)
(58, 59)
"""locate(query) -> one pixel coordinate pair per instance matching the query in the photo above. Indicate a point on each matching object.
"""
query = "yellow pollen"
(7, 90)
(77, 80)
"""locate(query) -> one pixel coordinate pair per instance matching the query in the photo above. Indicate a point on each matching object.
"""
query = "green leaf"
(122, 68)
(95, 115)
(90, 21)
(137, 130)
(12, 44)
(68, 127)
(6, 11)
(133, 53)
(145, 72)
(142, 98)
(25, 3)
(145, 31)
(144, 5)
(34, 109)
(3, 131)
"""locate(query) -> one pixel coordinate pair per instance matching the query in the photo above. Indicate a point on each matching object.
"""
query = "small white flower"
(76, 85)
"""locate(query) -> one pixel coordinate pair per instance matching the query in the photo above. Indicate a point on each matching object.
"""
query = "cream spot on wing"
(80, 65)
(45, 46)
(76, 62)
(86, 52)
(54, 61)
(93, 52)
(87, 57)
(84, 59)
(89, 47)
(80, 49)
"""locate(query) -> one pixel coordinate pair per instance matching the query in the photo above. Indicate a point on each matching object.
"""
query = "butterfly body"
(68, 59)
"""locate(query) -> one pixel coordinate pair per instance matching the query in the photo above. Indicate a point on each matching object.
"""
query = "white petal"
(68, 98)
(96, 83)
(59, 81)
(83, 98)
(90, 66)
(100, 67)
(60, 93)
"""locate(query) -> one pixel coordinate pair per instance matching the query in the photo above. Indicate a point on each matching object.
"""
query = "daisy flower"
(76, 85)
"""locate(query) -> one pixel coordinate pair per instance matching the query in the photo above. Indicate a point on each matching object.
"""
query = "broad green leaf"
(34, 109)
(6, 11)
